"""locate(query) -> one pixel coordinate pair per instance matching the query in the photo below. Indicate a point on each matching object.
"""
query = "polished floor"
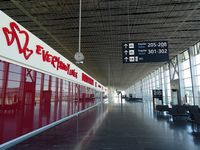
(117, 126)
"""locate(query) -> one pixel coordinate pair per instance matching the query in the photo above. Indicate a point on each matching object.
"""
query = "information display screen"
(158, 94)
(143, 52)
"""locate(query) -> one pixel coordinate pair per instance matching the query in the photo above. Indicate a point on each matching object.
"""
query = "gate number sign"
(142, 52)
(158, 94)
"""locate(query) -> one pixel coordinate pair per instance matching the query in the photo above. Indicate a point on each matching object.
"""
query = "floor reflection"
(70, 135)
(118, 126)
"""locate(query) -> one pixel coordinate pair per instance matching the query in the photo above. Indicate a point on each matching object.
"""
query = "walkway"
(131, 126)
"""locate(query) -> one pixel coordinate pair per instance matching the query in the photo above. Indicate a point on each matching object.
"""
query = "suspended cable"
(79, 43)
(79, 57)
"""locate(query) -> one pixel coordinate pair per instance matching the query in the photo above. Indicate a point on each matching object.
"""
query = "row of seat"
(190, 111)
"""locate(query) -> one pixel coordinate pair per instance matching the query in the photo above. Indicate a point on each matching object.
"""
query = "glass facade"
(195, 67)
(30, 100)
(183, 69)
(186, 78)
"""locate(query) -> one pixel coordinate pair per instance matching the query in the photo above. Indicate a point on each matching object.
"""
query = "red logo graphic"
(21, 37)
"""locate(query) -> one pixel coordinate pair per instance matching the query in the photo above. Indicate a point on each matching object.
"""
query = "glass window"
(13, 84)
(197, 80)
(189, 96)
(197, 59)
(186, 73)
(186, 65)
(1, 83)
(196, 48)
(14, 76)
(15, 68)
(1, 74)
(46, 82)
(187, 82)
(1, 65)
(197, 70)
(53, 85)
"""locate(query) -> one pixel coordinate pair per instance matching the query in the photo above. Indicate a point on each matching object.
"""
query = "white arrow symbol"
(126, 52)
(126, 59)
(125, 45)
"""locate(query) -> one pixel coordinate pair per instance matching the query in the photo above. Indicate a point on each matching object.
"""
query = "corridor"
(117, 126)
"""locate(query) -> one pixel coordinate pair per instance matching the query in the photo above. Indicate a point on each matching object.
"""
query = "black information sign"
(158, 94)
(141, 52)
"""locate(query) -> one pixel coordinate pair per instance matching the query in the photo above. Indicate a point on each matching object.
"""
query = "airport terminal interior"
(99, 74)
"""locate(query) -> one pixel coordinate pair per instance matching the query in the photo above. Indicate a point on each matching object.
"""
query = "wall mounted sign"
(143, 52)
(19, 46)
(87, 79)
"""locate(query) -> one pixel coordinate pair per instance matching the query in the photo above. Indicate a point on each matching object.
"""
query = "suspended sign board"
(143, 52)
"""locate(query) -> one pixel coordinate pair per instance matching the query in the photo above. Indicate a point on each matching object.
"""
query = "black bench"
(191, 107)
(196, 121)
(178, 111)
(193, 110)
(162, 108)
(134, 99)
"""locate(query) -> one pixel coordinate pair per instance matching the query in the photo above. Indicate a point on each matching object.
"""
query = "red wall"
(30, 100)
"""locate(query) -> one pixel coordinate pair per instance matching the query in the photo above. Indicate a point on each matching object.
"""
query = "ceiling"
(106, 24)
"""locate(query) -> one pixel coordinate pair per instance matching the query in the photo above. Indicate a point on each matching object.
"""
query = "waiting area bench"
(190, 112)
(162, 108)
(178, 111)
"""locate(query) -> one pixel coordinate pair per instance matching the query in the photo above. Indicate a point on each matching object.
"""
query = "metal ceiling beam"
(20, 7)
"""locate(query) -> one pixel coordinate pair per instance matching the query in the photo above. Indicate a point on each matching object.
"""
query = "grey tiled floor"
(131, 126)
